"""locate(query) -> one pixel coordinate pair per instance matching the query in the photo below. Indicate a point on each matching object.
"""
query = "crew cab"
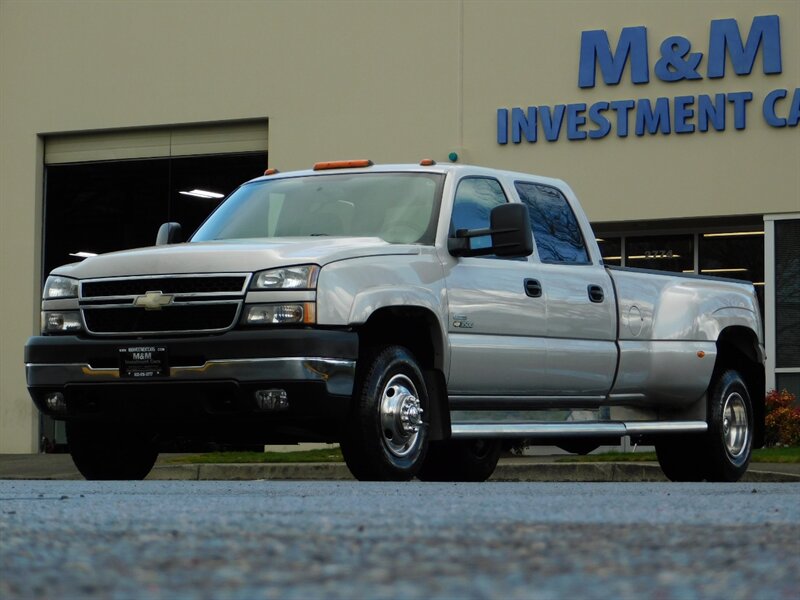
(420, 315)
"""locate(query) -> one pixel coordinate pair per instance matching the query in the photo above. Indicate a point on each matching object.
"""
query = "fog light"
(67, 321)
(272, 400)
(56, 402)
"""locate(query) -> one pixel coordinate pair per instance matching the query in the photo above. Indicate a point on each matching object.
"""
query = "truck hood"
(230, 256)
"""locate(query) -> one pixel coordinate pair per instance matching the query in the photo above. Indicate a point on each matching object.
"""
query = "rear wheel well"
(737, 348)
(418, 330)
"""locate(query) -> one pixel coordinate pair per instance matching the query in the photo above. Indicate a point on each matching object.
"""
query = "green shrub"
(782, 420)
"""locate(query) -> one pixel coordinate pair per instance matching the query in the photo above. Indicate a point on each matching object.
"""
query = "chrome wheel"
(386, 436)
(401, 416)
(729, 439)
(735, 425)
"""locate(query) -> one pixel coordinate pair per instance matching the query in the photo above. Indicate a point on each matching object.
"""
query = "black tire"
(723, 452)
(105, 451)
(682, 458)
(386, 436)
(729, 438)
(461, 460)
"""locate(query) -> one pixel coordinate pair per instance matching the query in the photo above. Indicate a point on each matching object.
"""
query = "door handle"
(533, 288)
(596, 293)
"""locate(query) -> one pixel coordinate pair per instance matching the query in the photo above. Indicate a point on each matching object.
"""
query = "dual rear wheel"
(723, 452)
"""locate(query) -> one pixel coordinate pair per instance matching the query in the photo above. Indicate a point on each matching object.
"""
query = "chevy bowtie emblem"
(153, 300)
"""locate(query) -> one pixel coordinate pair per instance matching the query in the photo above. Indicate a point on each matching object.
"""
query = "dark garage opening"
(101, 207)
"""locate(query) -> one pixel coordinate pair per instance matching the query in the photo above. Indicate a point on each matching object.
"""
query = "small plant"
(782, 420)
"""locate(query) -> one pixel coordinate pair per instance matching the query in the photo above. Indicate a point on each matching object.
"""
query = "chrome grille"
(167, 285)
(191, 304)
(193, 317)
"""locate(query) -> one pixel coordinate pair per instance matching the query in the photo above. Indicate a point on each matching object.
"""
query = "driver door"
(497, 319)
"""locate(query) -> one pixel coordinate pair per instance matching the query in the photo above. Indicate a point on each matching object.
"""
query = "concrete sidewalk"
(524, 468)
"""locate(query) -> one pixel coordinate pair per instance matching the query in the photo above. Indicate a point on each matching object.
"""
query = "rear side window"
(555, 229)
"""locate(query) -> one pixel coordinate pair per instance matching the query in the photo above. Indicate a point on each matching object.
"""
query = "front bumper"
(214, 370)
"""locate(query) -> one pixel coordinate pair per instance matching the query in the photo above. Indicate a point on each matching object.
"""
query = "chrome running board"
(572, 429)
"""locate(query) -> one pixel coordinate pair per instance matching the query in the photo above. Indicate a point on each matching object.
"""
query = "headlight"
(60, 287)
(65, 321)
(303, 277)
(279, 314)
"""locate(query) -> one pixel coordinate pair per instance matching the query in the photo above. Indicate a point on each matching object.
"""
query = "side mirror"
(169, 233)
(510, 228)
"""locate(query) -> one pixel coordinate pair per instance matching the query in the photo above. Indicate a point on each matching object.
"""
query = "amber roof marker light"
(271, 171)
(342, 164)
(427, 162)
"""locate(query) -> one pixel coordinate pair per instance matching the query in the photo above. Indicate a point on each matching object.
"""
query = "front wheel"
(104, 451)
(386, 437)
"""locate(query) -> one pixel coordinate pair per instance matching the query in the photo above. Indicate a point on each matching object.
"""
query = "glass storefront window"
(661, 252)
(738, 255)
(611, 250)
(787, 297)
(790, 382)
(734, 254)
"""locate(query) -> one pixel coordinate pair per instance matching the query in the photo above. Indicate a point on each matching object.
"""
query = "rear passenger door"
(581, 311)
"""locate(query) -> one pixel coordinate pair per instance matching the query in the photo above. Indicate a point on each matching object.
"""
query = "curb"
(563, 472)
(512, 469)
(251, 472)
(530, 472)
(769, 477)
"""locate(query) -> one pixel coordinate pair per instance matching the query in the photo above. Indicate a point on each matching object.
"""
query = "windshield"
(401, 208)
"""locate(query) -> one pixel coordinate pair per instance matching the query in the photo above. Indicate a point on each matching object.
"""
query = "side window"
(475, 199)
(555, 229)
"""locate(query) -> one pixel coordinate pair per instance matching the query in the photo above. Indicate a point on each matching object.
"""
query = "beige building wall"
(388, 80)
(529, 56)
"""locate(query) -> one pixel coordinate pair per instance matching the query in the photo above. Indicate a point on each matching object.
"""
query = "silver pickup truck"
(420, 315)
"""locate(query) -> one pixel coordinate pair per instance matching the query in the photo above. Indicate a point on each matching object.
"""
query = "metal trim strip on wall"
(158, 142)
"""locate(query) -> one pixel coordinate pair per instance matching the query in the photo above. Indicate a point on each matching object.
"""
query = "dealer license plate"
(143, 362)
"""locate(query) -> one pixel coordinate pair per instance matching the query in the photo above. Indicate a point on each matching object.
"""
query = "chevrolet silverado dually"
(422, 316)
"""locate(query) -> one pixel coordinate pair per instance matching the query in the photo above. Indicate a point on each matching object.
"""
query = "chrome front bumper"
(337, 374)
(241, 356)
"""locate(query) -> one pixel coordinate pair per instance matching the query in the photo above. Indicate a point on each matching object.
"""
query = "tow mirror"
(509, 228)
(169, 233)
